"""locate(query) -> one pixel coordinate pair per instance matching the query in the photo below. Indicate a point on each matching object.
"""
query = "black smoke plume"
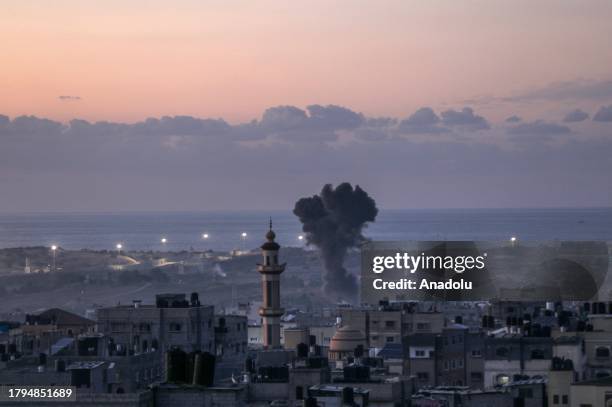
(333, 221)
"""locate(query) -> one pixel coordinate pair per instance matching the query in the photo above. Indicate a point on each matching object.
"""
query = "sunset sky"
(186, 105)
(128, 60)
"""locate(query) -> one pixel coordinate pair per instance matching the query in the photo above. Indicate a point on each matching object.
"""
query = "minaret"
(271, 310)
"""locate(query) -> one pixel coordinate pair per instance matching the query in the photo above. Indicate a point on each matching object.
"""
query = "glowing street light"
(513, 241)
(53, 251)
(243, 237)
(164, 240)
(205, 236)
(119, 246)
(300, 237)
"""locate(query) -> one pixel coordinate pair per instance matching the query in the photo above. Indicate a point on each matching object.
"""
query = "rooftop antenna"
(270, 222)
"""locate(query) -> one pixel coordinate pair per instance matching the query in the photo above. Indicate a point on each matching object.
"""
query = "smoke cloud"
(333, 222)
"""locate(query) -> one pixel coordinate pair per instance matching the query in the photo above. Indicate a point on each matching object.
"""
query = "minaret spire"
(270, 310)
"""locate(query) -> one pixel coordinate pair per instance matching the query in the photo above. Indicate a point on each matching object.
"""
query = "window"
(390, 339)
(501, 352)
(502, 379)
(420, 353)
(476, 376)
(460, 363)
(526, 393)
(423, 376)
(556, 399)
(602, 352)
(175, 327)
(390, 324)
(564, 399)
(374, 337)
(476, 353)
(537, 354)
(422, 326)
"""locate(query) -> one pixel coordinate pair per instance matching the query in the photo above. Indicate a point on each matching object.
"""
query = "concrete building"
(590, 393)
(528, 393)
(271, 310)
(460, 397)
(560, 378)
(569, 346)
(295, 336)
(177, 395)
(515, 357)
(41, 331)
(339, 396)
(421, 353)
(171, 322)
(459, 360)
(389, 323)
(230, 345)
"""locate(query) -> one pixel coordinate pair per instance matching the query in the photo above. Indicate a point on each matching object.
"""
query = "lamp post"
(53, 251)
(243, 237)
(205, 238)
(119, 246)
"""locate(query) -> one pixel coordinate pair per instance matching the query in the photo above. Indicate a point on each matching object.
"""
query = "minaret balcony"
(271, 269)
(271, 312)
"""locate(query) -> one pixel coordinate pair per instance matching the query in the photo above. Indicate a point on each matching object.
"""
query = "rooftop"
(85, 365)
(603, 382)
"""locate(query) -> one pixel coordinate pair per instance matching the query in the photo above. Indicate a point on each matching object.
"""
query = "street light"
(300, 237)
(205, 236)
(513, 241)
(53, 250)
(164, 240)
(243, 237)
(119, 246)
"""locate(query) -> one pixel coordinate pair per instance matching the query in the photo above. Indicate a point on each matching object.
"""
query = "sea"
(245, 230)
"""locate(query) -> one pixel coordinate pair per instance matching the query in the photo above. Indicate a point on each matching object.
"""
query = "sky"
(205, 105)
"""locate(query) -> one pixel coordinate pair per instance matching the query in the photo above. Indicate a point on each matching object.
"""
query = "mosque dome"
(346, 339)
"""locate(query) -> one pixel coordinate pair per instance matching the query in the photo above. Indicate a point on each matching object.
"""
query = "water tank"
(348, 397)
(302, 350)
(176, 366)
